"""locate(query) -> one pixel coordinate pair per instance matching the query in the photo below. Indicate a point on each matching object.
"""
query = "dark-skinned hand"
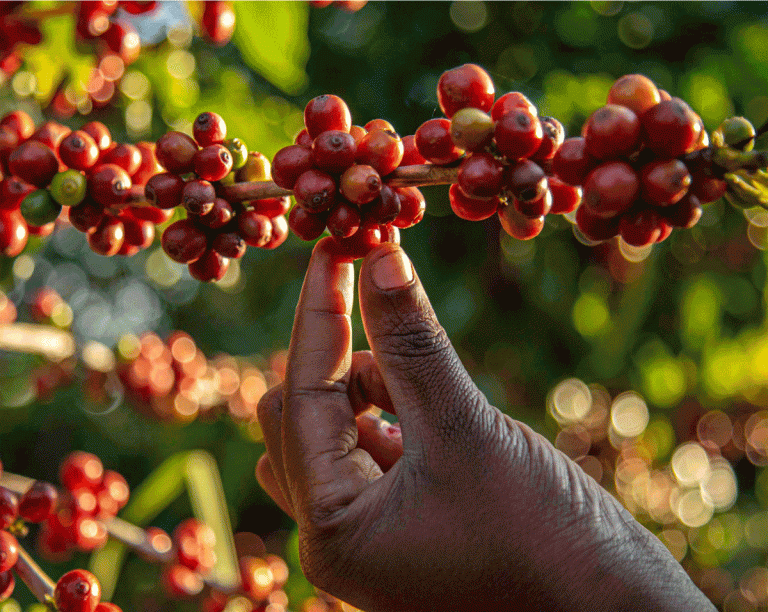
(468, 509)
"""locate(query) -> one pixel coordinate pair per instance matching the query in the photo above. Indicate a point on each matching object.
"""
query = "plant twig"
(34, 577)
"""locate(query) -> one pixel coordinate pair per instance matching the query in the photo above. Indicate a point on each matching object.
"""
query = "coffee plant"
(164, 164)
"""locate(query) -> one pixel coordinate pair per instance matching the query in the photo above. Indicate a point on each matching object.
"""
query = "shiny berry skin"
(137, 7)
(359, 244)
(612, 131)
(221, 214)
(518, 134)
(8, 142)
(123, 40)
(213, 162)
(736, 132)
(378, 124)
(77, 591)
(209, 129)
(706, 188)
(20, 123)
(175, 152)
(127, 156)
(510, 101)
(272, 207)
(333, 151)
(565, 198)
(360, 184)
(534, 208)
(255, 229)
(471, 129)
(434, 143)
(525, 180)
(194, 541)
(86, 216)
(343, 220)
(471, 209)
(635, 91)
(13, 233)
(670, 128)
(326, 112)
(183, 241)
(89, 534)
(303, 138)
(109, 184)
(594, 227)
(519, 226)
(305, 225)
(138, 232)
(664, 182)
(180, 582)
(315, 191)
(255, 168)
(611, 189)
(107, 237)
(12, 191)
(100, 134)
(238, 150)
(411, 155)
(480, 176)
(78, 150)
(106, 606)
(198, 197)
(34, 163)
(39, 208)
(211, 266)
(412, 207)
(7, 584)
(280, 232)
(553, 137)
(685, 214)
(50, 134)
(218, 22)
(69, 188)
(164, 190)
(381, 149)
(9, 551)
(572, 163)
(384, 208)
(641, 228)
(151, 213)
(289, 163)
(116, 487)
(9, 508)
(230, 244)
(465, 86)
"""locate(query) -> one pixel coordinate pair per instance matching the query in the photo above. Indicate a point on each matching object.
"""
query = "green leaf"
(272, 38)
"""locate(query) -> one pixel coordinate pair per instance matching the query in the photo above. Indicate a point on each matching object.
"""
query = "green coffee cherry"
(733, 131)
(256, 168)
(68, 188)
(39, 208)
(238, 150)
(471, 128)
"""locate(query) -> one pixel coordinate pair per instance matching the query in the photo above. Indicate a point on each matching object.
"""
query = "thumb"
(430, 388)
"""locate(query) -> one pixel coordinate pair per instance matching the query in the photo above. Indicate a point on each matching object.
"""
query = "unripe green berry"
(471, 128)
(256, 168)
(39, 208)
(733, 131)
(238, 150)
(68, 188)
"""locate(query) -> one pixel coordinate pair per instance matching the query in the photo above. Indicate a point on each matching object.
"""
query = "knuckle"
(270, 406)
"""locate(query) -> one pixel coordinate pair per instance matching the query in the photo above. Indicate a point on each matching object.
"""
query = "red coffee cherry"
(51, 134)
(326, 112)
(230, 245)
(306, 225)
(565, 198)
(180, 582)
(670, 128)
(641, 228)
(471, 209)
(518, 134)
(706, 188)
(8, 142)
(136, 7)
(38, 502)
(315, 191)
(279, 232)
(151, 213)
(533, 209)
(106, 606)
(572, 163)
(123, 40)
(380, 149)
(303, 139)
(127, 156)
(255, 229)
(412, 207)
(13, 191)
(86, 216)
(100, 134)
(552, 139)
(109, 184)
(115, 487)
(89, 534)
(9, 508)
(138, 232)
(411, 155)
(519, 226)
(378, 124)
(465, 86)
(334, 151)
(664, 182)
(164, 190)
(20, 123)
(481, 176)
(183, 241)
(272, 207)
(686, 213)
(176, 152)
(107, 237)
(343, 220)
(434, 143)
(9, 551)
(635, 91)
(213, 163)
(525, 180)
(149, 166)
(612, 131)
(360, 184)
(611, 189)
(77, 591)
(218, 22)
(359, 244)
(79, 151)
(510, 101)
(596, 228)
(221, 214)
(34, 163)
(209, 129)
(7, 584)
(13, 233)
(198, 197)
(289, 164)
(383, 209)
(209, 267)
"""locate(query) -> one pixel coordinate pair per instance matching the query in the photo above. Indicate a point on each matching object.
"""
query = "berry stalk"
(34, 577)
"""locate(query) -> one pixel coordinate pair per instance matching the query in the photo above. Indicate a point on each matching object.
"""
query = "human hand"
(469, 509)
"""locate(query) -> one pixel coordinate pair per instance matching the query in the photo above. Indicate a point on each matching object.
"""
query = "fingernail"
(393, 271)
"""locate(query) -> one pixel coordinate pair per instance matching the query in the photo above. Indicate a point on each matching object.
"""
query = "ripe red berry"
(565, 198)
(164, 190)
(686, 213)
(213, 162)
(706, 188)
(670, 128)
(383, 209)
(9, 551)
(77, 591)
(289, 163)
(78, 150)
(333, 151)
(303, 138)
(138, 232)
(434, 143)
(272, 207)
(411, 155)
(127, 156)
(230, 245)
(13, 191)
(175, 151)
(465, 86)
(7, 584)
(221, 214)
(51, 134)
(481, 176)
(89, 534)
(279, 232)
(38, 502)
(151, 213)
(106, 606)
(359, 244)
(9, 508)
(635, 91)
(611, 189)
(209, 267)
(641, 228)
(86, 216)
(360, 184)
(612, 131)
(326, 112)
(13, 233)
(183, 241)
(255, 229)
(198, 197)
(149, 166)
(664, 182)
(343, 220)
(534, 208)
(209, 128)
(412, 207)
(100, 134)
(316, 191)
(525, 180)
(109, 184)
(380, 149)
(510, 101)
(137, 7)
(34, 163)
(572, 163)
(20, 123)
(553, 137)
(518, 134)
(218, 22)
(471, 209)
(116, 487)
(306, 225)
(123, 40)
(107, 237)
(180, 582)
(596, 228)
(519, 226)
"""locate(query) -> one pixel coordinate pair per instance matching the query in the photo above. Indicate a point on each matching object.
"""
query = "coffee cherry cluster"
(630, 160)
(215, 229)
(337, 172)
(505, 148)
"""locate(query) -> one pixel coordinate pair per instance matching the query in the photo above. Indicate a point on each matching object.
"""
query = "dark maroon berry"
(303, 139)
(183, 241)
(7, 584)
(525, 180)
(34, 163)
(572, 163)
(565, 197)
(279, 232)
(553, 136)
(198, 197)
(38, 502)
(272, 207)
(315, 191)
(289, 163)
(465, 86)
(333, 151)
(164, 190)
(211, 266)
(208, 129)
(51, 134)
(13, 191)
(533, 209)
(640, 228)
(9, 508)
(107, 237)
(229, 244)
(255, 229)
(596, 228)
(326, 112)
(612, 131)
(519, 226)
(481, 176)
(384, 208)
(86, 216)
(138, 232)
(9, 551)
(412, 207)
(343, 220)
(685, 213)
(664, 182)
(175, 151)
(127, 156)
(670, 128)
(359, 244)
(221, 214)
(611, 189)
(109, 184)
(306, 225)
